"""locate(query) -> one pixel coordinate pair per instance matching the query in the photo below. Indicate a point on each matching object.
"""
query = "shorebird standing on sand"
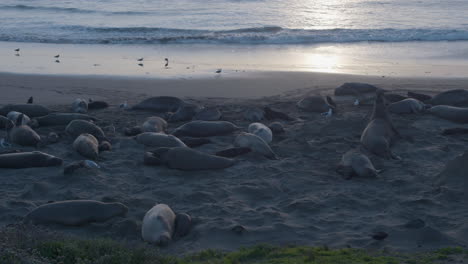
(17, 52)
(140, 59)
(140, 64)
(57, 56)
(167, 62)
(219, 70)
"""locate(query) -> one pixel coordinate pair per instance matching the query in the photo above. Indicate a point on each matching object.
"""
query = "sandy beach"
(297, 199)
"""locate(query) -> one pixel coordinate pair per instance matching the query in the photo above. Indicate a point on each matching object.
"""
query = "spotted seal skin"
(31, 110)
(262, 131)
(32, 159)
(354, 163)
(255, 143)
(188, 159)
(80, 106)
(62, 119)
(22, 135)
(458, 97)
(78, 127)
(452, 113)
(75, 212)
(152, 139)
(154, 124)
(160, 104)
(87, 145)
(205, 129)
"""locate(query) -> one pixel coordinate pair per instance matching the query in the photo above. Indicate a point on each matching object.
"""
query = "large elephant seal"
(87, 145)
(458, 97)
(22, 135)
(262, 131)
(80, 106)
(161, 225)
(317, 104)
(407, 106)
(355, 89)
(62, 119)
(13, 116)
(78, 127)
(183, 158)
(31, 110)
(154, 124)
(353, 163)
(452, 113)
(255, 143)
(28, 160)
(184, 113)
(380, 132)
(205, 129)
(152, 139)
(208, 114)
(160, 104)
(75, 212)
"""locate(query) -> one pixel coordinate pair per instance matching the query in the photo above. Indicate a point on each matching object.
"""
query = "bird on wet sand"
(140, 59)
(17, 50)
(57, 56)
(219, 70)
(57, 61)
(167, 62)
(140, 64)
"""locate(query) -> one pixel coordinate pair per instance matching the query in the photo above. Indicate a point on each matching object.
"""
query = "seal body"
(254, 114)
(154, 124)
(262, 131)
(62, 119)
(80, 106)
(13, 116)
(28, 160)
(31, 110)
(354, 162)
(208, 114)
(87, 145)
(419, 96)
(407, 106)
(355, 88)
(4, 121)
(458, 97)
(205, 129)
(158, 225)
(160, 104)
(152, 139)
(452, 113)
(255, 143)
(75, 212)
(317, 104)
(93, 105)
(22, 134)
(183, 158)
(184, 113)
(276, 127)
(78, 127)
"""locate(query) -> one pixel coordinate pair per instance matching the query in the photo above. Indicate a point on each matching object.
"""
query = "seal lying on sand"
(452, 113)
(87, 145)
(233, 152)
(22, 134)
(254, 114)
(205, 129)
(183, 158)
(80, 106)
(154, 124)
(4, 121)
(78, 127)
(419, 96)
(271, 114)
(353, 163)
(380, 132)
(208, 114)
(193, 142)
(355, 89)
(152, 139)
(160, 104)
(62, 119)
(13, 116)
(31, 110)
(184, 113)
(458, 97)
(262, 131)
(255, 143)
(28, 160)
(94, 105)
(407, 106)
(317, 104)
(75, 212)
(160, 225)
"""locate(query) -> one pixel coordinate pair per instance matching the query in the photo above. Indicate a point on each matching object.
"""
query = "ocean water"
(232, 21)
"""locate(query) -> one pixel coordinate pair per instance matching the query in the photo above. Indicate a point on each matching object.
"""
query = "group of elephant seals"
(22, 134)
(317, 104)
(255, 143)
(355, 89)
(75, 212)
(62, 119)
(458, 97)
(184, 158)
(380, 132)
(78, 127)
(407, 106)
(154, 124)
(87, 145)
(160, 104)
(80, 106)
(205, 129)
(152, 139)
(32, 159)
(161, 225)
(452, 113)
(31, 110)
(261, 130)
(353, 163)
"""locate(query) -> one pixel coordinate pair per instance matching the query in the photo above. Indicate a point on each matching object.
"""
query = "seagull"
(30, 100)
(167, 62)
(219, 70)
(140, 64)
(140, 59)
(17, 50)
(56, 56)
(57, 61)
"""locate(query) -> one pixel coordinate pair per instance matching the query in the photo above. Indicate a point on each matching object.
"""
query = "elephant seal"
(160, 104)
(161, 225)
(419, 96)
(28, 160)
(271, 114)
(254, 114)
(458, 97)
(208, 114)
(255, 143)
(276, 127)
(393, 98)
(31, 110)
(87, 145)
(193, 142)
(317, 104)
(88, 164)
(94, 105)
(153, 139)
(22, 135)
(62, 119)
(184, 113)
(379, 132)
(4, 121)
(154, 124)
(452, 113)
(75, 212)
(407, 106)
(205, 128)
(353, 163)
(80, 106)
(261, 130)
(188, 159)
(78, 127)
(13, 116)
(233, 152)
(133, 131)
(355, 89)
